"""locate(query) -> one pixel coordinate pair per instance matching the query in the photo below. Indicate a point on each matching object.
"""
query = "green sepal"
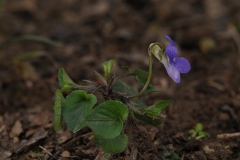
(58, 110)
(114, 145)
(157, 49)
(76, 107)
(107, 118)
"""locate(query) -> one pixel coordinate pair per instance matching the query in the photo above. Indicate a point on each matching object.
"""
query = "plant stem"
(139, 94)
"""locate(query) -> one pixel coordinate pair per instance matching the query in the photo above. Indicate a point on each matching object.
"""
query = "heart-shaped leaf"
(77, 106)
(114, 145)
(107, 118)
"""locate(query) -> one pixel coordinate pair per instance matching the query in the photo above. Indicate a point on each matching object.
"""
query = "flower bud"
(157, 49)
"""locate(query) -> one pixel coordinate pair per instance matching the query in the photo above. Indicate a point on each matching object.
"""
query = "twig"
(134, 153)
(44, 149)
(228, 135)
(182, 158)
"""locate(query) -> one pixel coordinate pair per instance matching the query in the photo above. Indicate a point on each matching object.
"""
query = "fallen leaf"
(2, 128)
(40, 134)
(64, 136)
(16, 129)
(4, 153)
(38, 119)
(62, 139)
(208, 150)
(31, 132)
(15, 140)
(24, 5)
(65, 154)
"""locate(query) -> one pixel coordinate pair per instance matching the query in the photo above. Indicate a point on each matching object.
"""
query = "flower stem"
(139, 94)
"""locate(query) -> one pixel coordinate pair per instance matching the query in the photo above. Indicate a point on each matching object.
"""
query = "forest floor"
(89, 32)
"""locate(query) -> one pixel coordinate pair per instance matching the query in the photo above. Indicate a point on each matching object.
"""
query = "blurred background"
(37, 37)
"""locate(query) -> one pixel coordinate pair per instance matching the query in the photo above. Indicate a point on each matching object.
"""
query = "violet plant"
(108, 120)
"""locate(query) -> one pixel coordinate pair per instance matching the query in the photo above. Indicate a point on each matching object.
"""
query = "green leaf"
(203, 134)
(141, 77)
(136, 72)
(58, 110)
(77, 106)
(157, 108)
(140, 73)
(192, 132)
(153, 120)
(65, 81)
(122, 87)
(198, 127)
(107, 66)
(126, 68)
(150, 88)
(135, 105)
(151, 115)
(26, 56)
(35, 38)
(139, 104)
(114, 145)
(107, 118)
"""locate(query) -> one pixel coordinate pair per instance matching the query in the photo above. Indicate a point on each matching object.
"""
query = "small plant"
(108, 117)
(198, 132)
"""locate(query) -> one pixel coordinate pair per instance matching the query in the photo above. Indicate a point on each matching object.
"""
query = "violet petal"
(170, 40)
(171, 52)
(182, 64)
(172, 71)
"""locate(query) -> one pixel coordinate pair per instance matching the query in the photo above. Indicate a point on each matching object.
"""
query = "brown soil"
(91, 32)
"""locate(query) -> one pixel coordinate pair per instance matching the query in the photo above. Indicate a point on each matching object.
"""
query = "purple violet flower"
(174, 65)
